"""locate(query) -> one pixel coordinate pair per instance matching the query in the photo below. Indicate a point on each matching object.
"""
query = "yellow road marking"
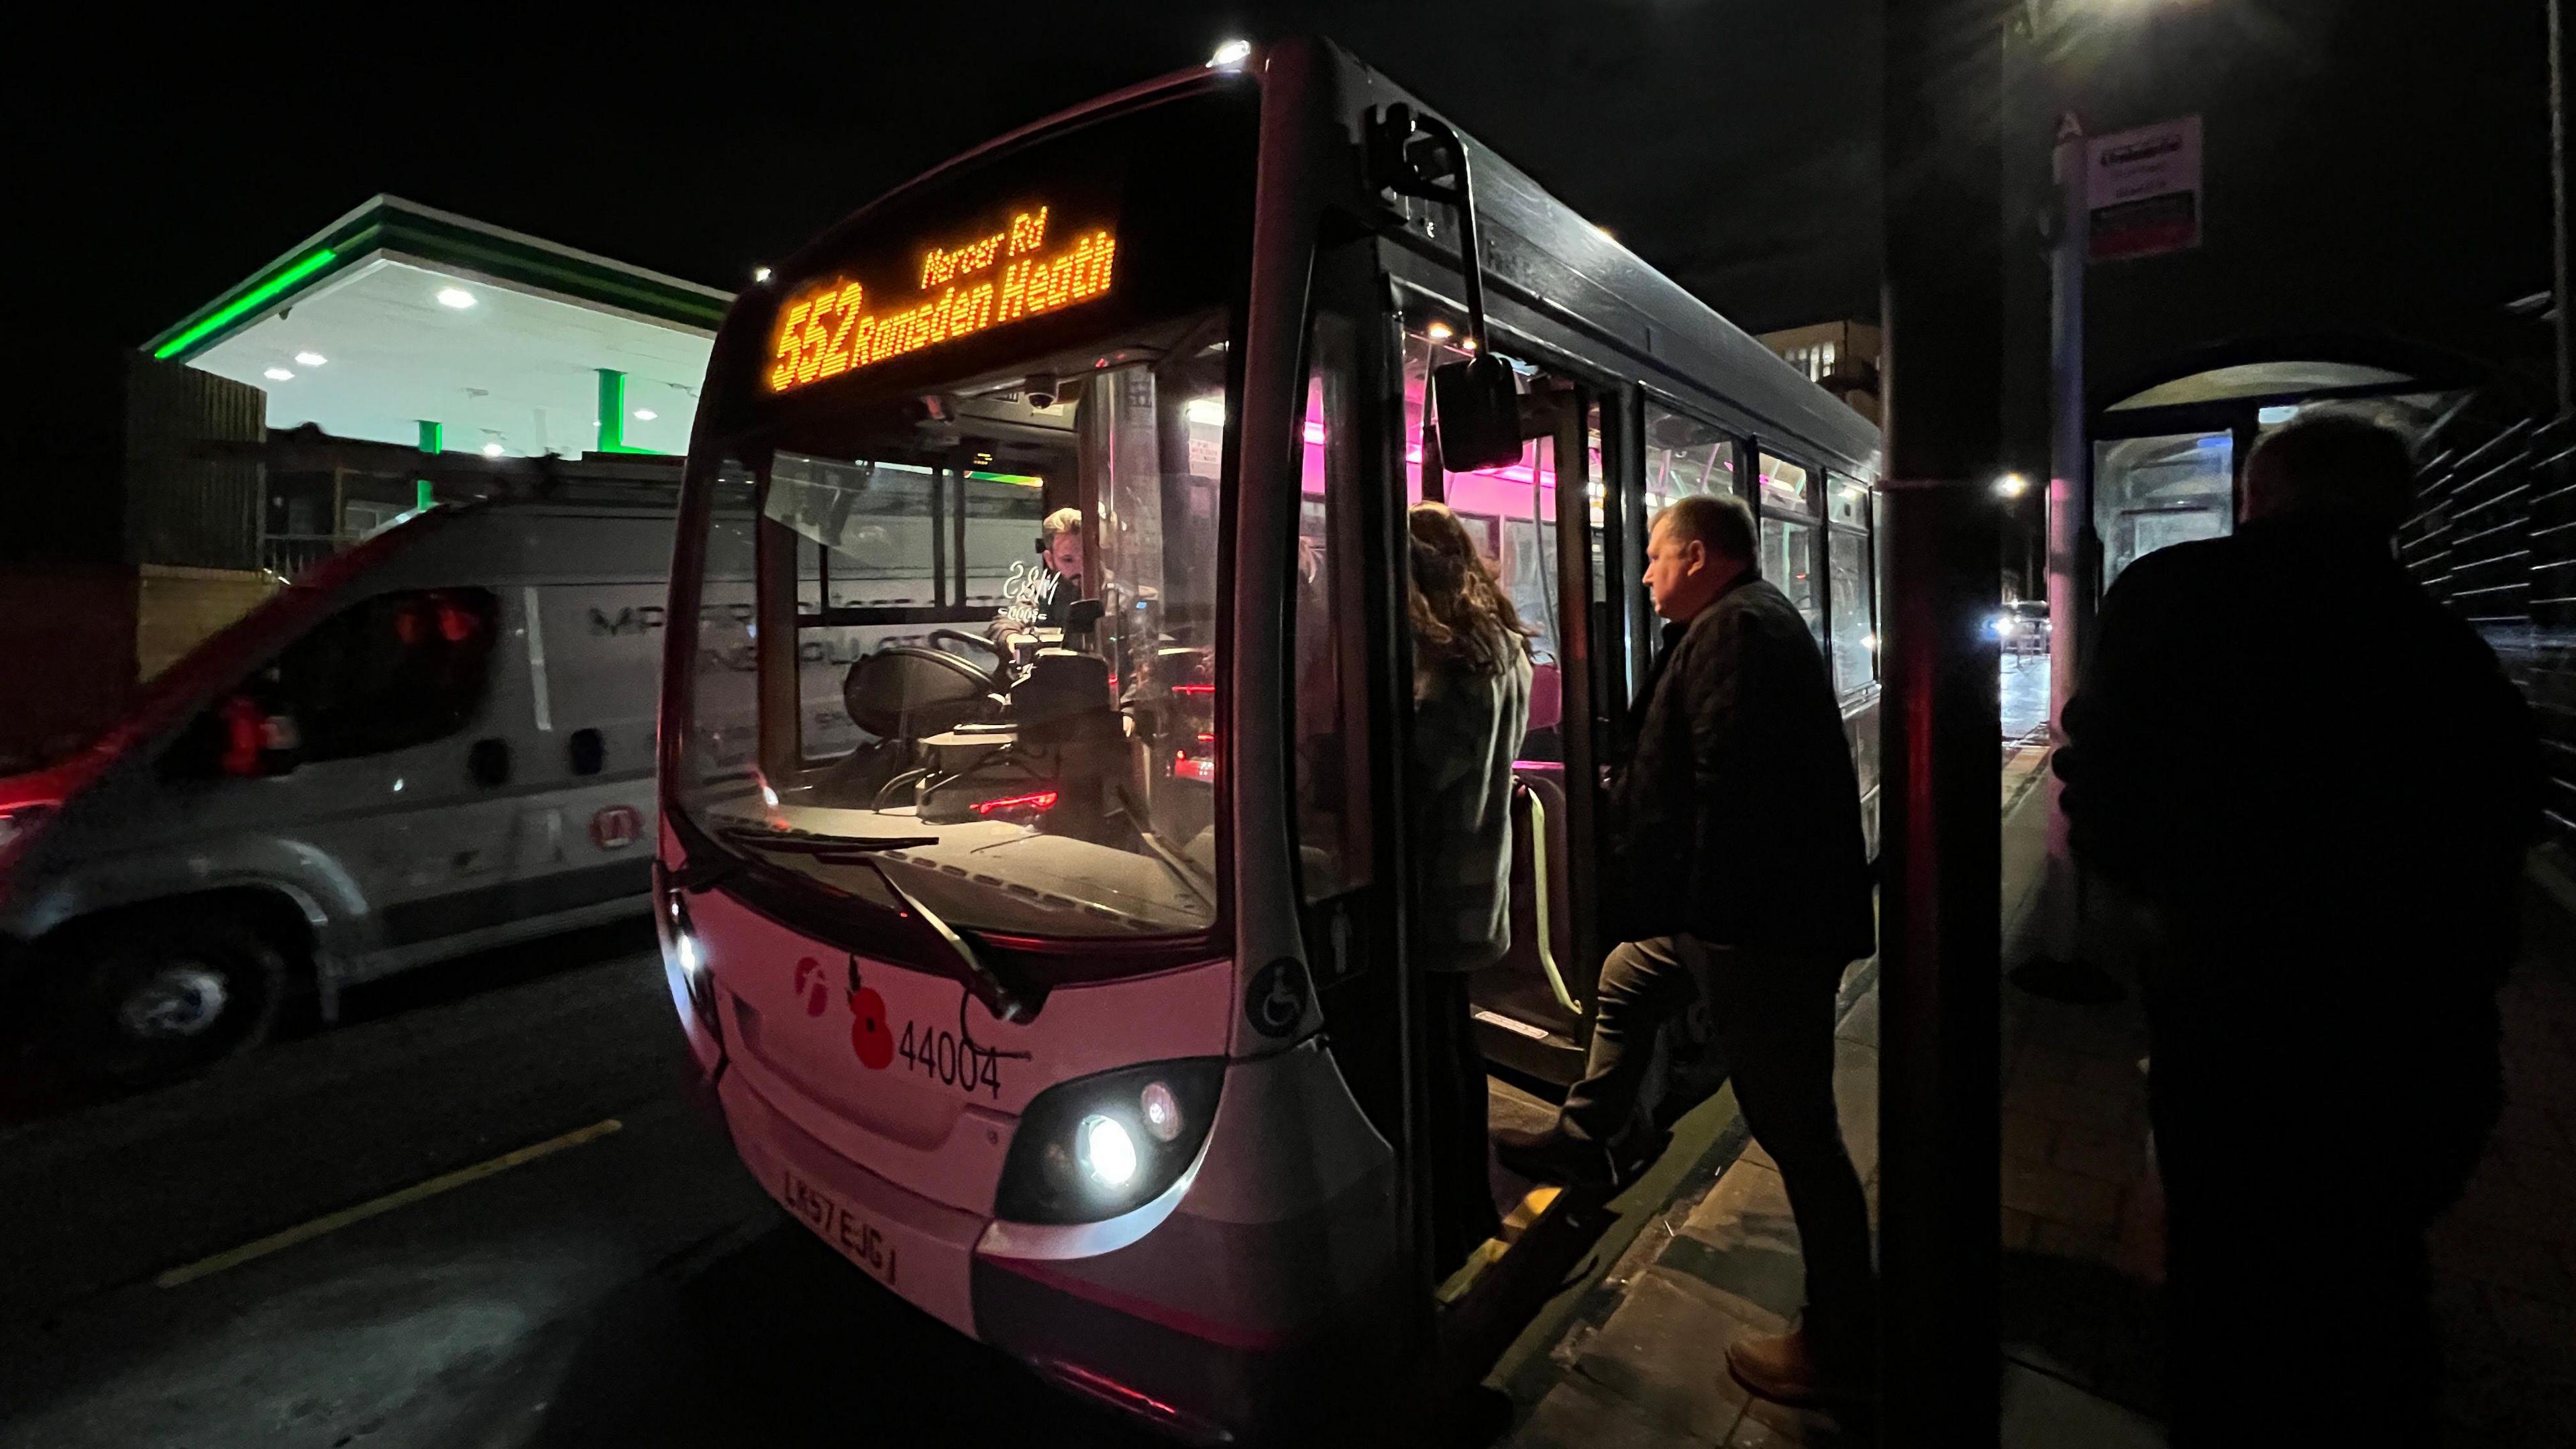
(333, 1222)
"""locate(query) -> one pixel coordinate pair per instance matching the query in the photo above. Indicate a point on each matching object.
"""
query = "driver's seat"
(909, 691)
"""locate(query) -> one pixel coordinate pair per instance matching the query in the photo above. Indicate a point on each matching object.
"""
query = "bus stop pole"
(1940, 725)
(2070, 517)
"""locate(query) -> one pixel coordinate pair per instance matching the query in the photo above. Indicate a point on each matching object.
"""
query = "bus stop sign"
(2142, 190)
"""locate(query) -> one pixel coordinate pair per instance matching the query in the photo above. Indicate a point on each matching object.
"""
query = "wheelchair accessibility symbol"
(1276, 999)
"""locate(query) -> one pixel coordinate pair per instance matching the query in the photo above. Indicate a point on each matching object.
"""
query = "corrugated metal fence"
(2495, 537)
(182, 507)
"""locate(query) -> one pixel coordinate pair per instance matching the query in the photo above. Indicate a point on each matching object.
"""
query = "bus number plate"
(857, 1238)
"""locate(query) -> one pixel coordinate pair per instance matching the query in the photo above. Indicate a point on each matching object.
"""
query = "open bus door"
(1367, 457)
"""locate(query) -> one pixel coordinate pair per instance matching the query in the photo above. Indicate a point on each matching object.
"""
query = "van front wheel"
(160, 1000)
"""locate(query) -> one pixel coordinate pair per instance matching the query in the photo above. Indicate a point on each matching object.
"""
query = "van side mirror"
(1476, 414)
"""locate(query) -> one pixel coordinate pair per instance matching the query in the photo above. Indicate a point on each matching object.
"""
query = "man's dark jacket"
(1738, 819)
(2282, 741)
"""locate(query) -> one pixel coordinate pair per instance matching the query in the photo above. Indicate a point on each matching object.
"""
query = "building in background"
(1840, 357)
(398, 356)
(402, 324)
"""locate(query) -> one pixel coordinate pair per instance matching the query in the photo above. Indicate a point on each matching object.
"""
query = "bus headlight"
(1162, 1111)
(687, 957)
(1096, 1146)
(1105, 1151)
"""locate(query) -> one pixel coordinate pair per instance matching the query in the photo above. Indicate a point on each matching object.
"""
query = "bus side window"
(1789, 539)
(1847, 594)
(1685, 456)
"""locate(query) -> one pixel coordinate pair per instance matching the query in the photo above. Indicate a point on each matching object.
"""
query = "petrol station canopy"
(399, 323)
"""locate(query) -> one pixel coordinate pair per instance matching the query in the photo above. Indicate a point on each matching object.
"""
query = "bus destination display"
(958, 288)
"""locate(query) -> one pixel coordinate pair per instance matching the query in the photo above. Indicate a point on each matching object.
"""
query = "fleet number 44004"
(951, 1058)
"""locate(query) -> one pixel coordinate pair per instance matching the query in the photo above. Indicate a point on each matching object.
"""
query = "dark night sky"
(1731, 142)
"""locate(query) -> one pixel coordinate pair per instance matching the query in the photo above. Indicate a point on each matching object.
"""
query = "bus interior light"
(278, 374)
(310, 358)
(456, 297)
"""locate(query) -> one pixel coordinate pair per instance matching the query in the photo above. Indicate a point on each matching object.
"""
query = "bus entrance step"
(1529, 1210)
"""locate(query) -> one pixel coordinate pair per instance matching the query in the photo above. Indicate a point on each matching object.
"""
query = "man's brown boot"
(1785, 1368)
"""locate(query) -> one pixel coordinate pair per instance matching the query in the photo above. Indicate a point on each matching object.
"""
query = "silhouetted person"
(2319, 786)
(1471, 697)
(1738, 872)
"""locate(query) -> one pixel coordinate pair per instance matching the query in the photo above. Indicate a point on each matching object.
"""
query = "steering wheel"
(1001, 656)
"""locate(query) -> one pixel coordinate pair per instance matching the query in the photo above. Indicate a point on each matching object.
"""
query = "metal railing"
(2494, 536)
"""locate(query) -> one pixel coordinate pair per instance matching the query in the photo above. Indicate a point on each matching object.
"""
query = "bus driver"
(1060, 545)
(1041, 598)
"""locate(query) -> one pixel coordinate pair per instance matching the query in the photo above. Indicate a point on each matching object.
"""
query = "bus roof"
(1544, 255)
(1540, 256)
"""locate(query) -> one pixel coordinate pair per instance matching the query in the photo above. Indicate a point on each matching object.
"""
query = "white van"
(437, 742)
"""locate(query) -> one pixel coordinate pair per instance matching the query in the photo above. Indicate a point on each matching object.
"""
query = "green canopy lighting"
(257, 295)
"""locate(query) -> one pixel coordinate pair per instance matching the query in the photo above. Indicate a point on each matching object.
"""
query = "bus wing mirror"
(1478, 422)
(1476, 412)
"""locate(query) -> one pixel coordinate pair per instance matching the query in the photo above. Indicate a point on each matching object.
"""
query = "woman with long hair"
(1471, 696)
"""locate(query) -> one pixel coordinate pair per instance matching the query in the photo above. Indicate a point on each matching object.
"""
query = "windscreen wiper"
(1004, 998)
(791, 841)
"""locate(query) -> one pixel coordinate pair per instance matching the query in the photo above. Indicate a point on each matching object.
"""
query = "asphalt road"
(631, 1287)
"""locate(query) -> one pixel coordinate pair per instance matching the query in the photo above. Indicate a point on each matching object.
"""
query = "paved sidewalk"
(1723, 1260)
(2081, 1231)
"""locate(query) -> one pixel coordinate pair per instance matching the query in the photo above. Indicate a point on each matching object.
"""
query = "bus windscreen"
(956, 611)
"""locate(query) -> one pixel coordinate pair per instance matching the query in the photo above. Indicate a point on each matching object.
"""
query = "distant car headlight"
(1097, 1146)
